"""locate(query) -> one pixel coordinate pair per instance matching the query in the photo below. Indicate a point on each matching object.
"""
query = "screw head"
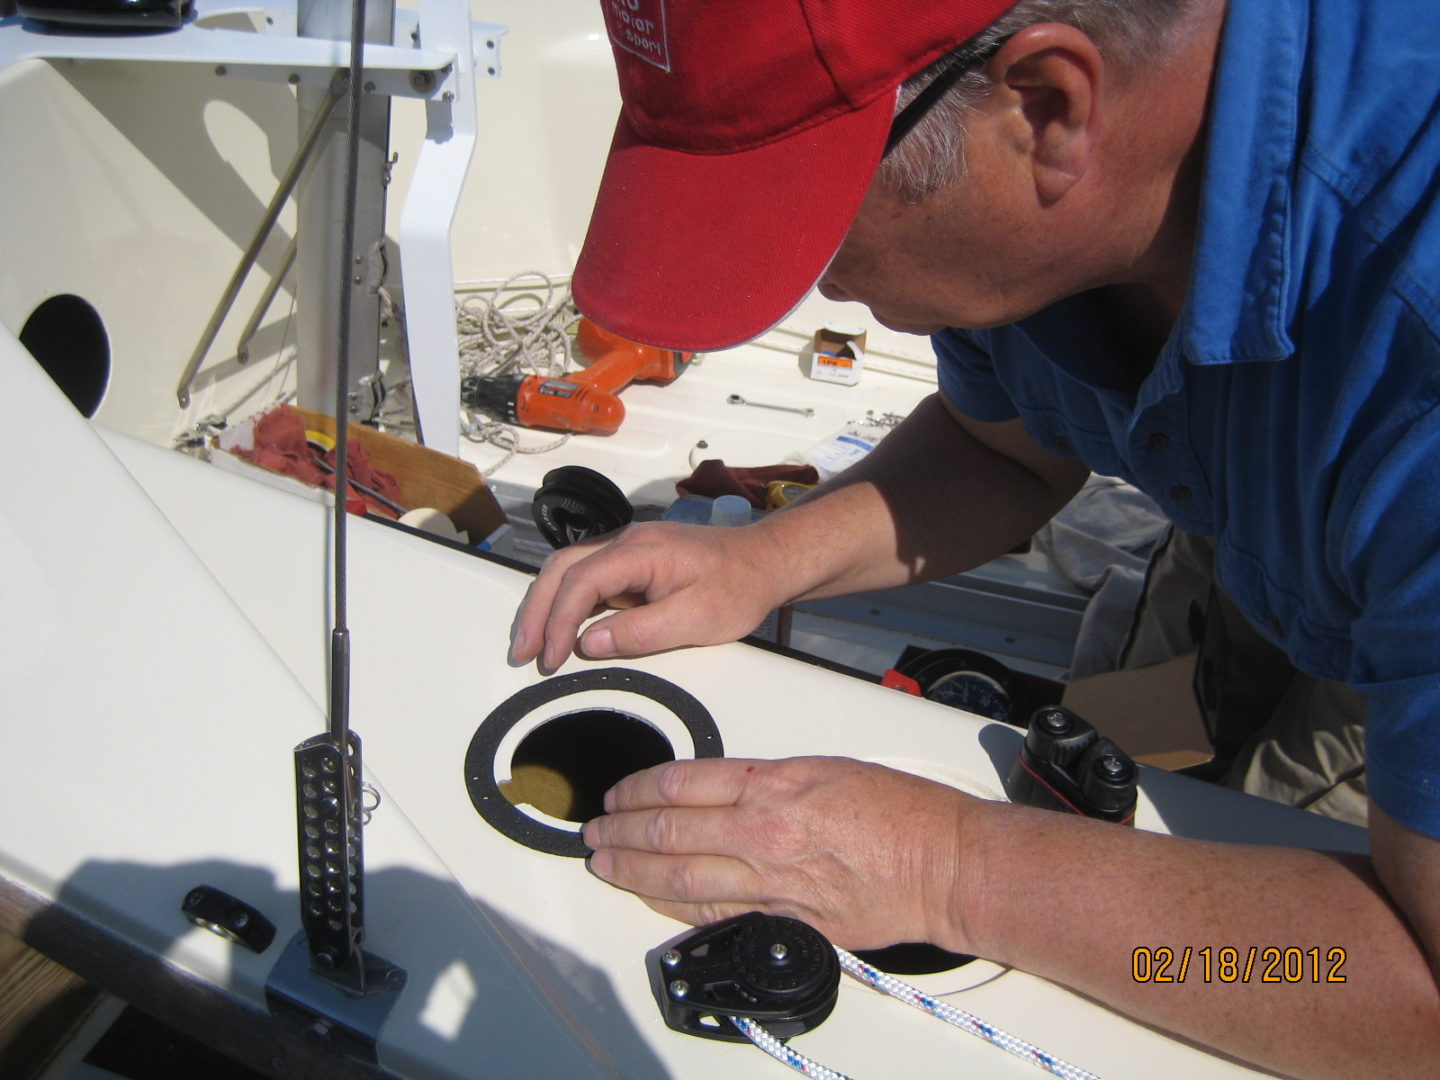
(671, 957)
(679, 988)
(1112, 768)
(1055, 722)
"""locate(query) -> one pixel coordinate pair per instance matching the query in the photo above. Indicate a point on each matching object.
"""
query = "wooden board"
(427, 478)
(41, 1005)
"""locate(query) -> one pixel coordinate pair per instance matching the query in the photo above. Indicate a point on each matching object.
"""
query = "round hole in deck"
(67, 336)
(606, 723)
(564, 767)
(914, 958)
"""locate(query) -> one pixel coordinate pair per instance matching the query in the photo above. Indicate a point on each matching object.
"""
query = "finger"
(684, 617)
(669, 830)
(699, 782)
(528, 636)
(685, 879)
(591, 582)
(641, 630)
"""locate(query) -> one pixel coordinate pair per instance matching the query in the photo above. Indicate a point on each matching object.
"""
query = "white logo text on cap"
(638, 27)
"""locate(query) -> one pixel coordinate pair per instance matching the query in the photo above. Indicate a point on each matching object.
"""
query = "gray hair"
(1129, 33)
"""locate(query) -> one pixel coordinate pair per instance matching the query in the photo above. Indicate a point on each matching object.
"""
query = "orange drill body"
(583, 401)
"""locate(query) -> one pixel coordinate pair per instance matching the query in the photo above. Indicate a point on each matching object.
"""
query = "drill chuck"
(494, 395)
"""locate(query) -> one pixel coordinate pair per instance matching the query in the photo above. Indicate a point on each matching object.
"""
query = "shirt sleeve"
(1393, 542)
(967, 376)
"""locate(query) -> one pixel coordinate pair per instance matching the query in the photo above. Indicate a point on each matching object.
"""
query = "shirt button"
(1158, 441)
(1062, 445)
(1180, 493)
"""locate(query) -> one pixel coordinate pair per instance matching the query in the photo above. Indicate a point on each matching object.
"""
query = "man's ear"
(1049, 77)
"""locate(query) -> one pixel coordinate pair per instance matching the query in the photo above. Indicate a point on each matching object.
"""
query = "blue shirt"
(1294, 412)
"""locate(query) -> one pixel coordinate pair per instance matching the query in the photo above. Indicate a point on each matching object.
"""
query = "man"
(1192, 244)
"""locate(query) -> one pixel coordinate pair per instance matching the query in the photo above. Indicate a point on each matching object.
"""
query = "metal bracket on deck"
(325, 983)
(329, 1011)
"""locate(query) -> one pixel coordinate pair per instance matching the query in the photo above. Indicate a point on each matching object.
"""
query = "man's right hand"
(941, 493)
(674, 585)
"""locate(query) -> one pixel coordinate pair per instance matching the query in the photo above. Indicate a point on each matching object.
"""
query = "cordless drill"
(583, 401)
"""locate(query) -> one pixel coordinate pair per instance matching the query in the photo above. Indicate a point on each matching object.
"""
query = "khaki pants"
(1278, 733)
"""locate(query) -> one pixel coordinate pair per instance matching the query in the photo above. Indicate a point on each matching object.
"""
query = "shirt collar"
(1244, 227)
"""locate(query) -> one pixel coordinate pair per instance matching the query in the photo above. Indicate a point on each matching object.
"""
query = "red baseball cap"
(749, 133)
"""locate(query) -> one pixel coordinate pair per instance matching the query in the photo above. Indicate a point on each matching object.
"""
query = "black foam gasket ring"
(500, 812)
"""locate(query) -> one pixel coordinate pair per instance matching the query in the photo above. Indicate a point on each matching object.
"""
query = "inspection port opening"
(67, 336)
(914, 958)
(574, 737)
(564, 767)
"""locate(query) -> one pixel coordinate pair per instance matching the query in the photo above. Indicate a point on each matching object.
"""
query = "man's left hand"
(867, 855)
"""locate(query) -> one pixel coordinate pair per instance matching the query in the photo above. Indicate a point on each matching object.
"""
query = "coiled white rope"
(887, 984)
(530, 331)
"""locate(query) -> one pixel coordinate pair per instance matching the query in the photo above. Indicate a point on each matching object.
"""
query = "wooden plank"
(42, 1005)
(427, 478)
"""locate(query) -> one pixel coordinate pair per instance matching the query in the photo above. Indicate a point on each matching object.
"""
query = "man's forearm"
(1325, 978)
(930, 500)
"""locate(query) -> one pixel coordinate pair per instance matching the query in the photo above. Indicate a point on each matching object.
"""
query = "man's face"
(955, 258)
(892, 262)
(979, 253)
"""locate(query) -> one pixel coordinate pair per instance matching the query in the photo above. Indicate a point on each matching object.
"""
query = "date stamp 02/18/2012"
(1258, 964)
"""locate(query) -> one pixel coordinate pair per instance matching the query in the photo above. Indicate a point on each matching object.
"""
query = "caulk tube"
(732, 511)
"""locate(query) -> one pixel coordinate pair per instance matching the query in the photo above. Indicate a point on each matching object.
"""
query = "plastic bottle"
(730, 511)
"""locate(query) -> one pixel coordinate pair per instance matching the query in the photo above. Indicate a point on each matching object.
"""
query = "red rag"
(363, 471)
(281, 447)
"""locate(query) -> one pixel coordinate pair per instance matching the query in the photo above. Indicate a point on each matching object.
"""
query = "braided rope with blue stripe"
(901, 991)
(784, 1054)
